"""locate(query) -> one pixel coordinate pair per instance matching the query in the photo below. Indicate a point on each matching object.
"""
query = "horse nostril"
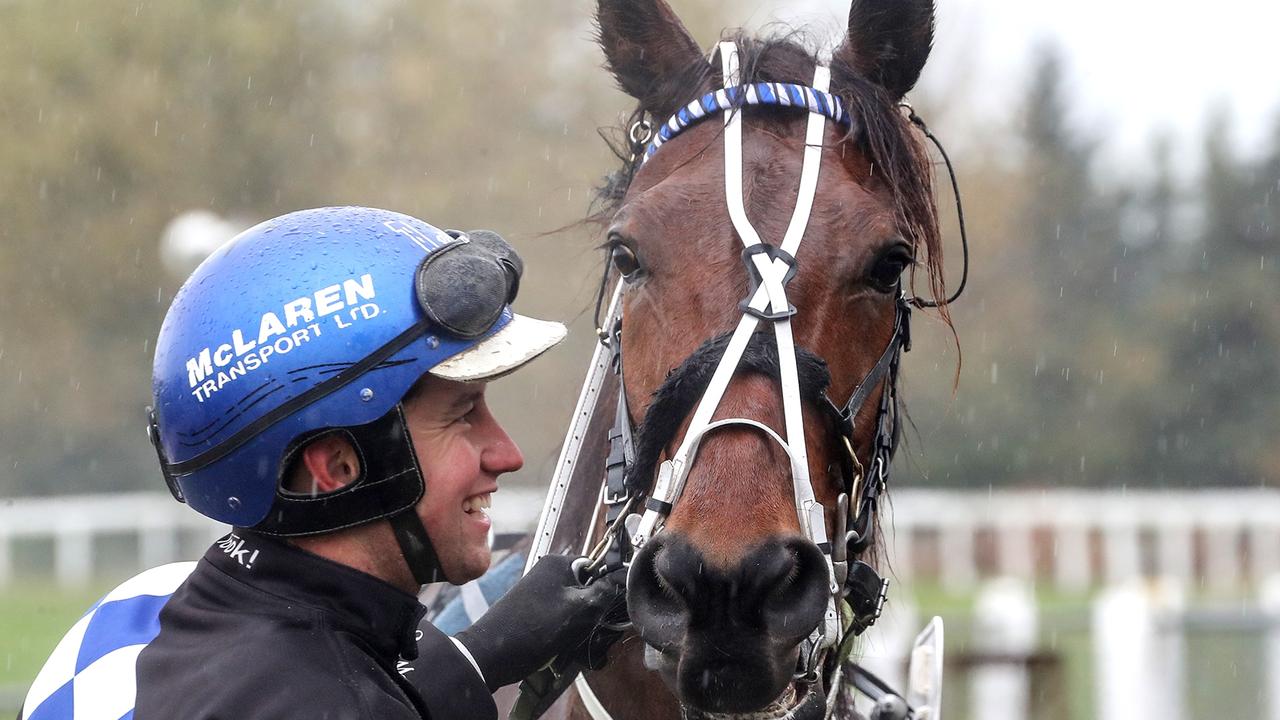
(678, 574)
(657, 598)
(774, 574)
(785, 584)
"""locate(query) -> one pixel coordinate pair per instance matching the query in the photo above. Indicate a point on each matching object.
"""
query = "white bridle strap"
(769, 295)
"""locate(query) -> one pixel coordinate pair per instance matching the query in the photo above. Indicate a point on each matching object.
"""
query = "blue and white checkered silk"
(779, 94)
(91, 673)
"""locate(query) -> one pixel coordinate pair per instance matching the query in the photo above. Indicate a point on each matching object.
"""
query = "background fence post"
(1138, 652)
(1173, 548)
(1005, 630)
(1123, 650)
(72, 555)
(1071, 557)
(959, 567)
(6, 559)
(1264, 552)
(1222, 569)
(158, 543)
(1269, 600)
(1017, 556)
(1121, 554)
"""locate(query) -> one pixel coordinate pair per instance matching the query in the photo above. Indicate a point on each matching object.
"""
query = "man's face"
(462, 450)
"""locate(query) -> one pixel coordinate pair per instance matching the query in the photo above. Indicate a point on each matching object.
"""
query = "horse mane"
(893, 146)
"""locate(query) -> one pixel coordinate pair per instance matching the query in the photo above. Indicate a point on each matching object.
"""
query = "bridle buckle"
(640, 133)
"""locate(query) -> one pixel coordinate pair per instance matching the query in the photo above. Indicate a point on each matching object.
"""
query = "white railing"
(165, 530)
(1076, 539)
(1071, 539)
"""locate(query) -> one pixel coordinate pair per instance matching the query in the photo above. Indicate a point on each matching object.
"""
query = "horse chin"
(796, 702)
(805, 703)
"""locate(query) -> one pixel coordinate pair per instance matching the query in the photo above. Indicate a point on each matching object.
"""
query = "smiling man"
(320, 385)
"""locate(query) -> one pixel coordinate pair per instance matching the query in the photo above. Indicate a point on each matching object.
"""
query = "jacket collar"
(381, 614)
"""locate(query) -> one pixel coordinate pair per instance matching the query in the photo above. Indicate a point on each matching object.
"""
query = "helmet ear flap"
(390, 481)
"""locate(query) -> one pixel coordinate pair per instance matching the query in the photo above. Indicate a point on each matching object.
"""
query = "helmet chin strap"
(415, 545)
(411, 534)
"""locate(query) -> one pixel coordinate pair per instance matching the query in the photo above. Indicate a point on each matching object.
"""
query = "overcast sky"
(1135, 66)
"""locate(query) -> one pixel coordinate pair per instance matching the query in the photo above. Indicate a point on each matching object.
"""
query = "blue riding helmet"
(320, 321)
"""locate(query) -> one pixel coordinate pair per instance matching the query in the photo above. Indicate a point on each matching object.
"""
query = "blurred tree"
(1221, 329)
(1071, 228)
(118, 116)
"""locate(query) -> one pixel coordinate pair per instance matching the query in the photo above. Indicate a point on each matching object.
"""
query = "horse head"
(727, 594)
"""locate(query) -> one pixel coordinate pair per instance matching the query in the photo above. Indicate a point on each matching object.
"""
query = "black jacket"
(262, 630)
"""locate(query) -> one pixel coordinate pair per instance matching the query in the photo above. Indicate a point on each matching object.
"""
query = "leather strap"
(416, 547)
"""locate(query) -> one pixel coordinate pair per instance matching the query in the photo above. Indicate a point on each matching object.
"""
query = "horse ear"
(644, 43)
(887, 43)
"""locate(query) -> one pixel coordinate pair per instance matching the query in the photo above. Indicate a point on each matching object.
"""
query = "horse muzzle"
(726, 640)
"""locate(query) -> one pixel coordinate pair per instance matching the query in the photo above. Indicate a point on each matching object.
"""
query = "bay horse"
(744, 583)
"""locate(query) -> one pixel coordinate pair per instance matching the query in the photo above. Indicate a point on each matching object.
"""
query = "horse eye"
(624, 259)
(889, 268)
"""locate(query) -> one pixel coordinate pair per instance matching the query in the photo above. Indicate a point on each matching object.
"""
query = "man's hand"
(547, 614)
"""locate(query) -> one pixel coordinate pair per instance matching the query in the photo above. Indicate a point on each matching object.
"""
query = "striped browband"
(780, 94)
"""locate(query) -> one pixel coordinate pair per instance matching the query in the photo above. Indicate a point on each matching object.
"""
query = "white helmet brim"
(518, 342)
